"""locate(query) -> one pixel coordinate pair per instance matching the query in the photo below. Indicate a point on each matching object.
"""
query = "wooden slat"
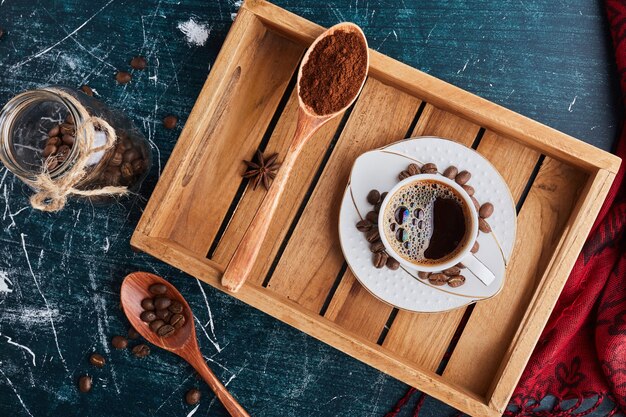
(381, 115)
(453, 99)
(232, 132)
(299, 183)
(494, 322)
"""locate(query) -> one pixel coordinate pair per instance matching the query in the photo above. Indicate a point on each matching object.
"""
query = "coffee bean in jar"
(64, 143)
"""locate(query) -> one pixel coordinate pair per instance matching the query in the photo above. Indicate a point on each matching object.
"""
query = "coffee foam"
(416, 196)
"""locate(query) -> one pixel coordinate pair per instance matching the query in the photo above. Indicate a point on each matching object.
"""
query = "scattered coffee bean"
(383, 195)
(123, 77)
(429, 168)
(133, 334)
(438, 279)
(453, 270)
(413, 169)
(84, 383)
(364, 225)
(119, 342)
(372, 236)
(373, 197)
(393, 264)
(463, 177)
(404, 175)
(176, 307)
(483, 226)
(2, 33)
(468, 189)
(97, 360)
(177, 321)
(451, 172)
(164, 314)
(486, 210)
(456, 281)
(87, 90)
(148, 316)
(54, 131)
(138, 63)
(161, 302)
(169, 122)
(166, 331)
(475, 247)
(423, 275)
(372, 216)
(158, 289)
(475, 202)
(156, 325)
(380, 259)
(193, 396)
(461, 265)
(377, 207)
(377, 246)
(141, 351)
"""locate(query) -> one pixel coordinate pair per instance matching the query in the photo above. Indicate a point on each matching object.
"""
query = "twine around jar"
(52, 194)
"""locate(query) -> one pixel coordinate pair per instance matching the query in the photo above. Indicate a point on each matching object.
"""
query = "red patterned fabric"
(582, 351)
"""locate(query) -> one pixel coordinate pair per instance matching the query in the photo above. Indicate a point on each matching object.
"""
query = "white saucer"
(402, 288)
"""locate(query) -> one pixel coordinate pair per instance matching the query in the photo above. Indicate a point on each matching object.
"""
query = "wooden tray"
(201, 207)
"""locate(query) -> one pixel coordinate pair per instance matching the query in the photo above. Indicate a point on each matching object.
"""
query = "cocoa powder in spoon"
(333, 73)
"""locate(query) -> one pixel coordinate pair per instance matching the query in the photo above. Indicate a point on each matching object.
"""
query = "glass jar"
(51, 131)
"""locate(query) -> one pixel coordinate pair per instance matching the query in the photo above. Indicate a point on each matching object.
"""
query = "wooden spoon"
(309, 122)
(183, 342)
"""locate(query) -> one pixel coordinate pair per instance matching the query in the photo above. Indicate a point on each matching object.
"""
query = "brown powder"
(333, 74)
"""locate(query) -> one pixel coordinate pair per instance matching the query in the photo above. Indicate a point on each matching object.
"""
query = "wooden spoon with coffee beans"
(309, 121)
(183, 342)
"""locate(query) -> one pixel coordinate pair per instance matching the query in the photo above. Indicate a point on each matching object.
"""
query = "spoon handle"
(241, 264)
(230, 403)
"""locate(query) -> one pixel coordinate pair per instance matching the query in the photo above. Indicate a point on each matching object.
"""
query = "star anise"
(262, 169)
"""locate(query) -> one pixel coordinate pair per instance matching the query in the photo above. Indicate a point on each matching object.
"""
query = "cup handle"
(479, 269)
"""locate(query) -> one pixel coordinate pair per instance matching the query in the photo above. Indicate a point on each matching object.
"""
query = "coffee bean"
(383, 195)
(372, 236)
(54, 131)
(392, 264)
(116, 159)
(67, 129)
(438, 279)
(377, 208)
(166, 331)
(380, 259)
(52, 164)
(161, 302)
(177, 321)
(49, 150)
(364, 225)
(485, 210)
(139, 63)
(148, 316)
(475, 202)
(413, 169)
(468, 189)
(169, 122)
(158, 289)
(193, 396)
(156, 324)
(451, 172)
(138, 166)
(176, 307)
(456, 281)
(111, 176)
(475, 247)
(63, 152)
(123, 77)
(69, 119)
(164, 314)
(147, 304)
(2, 32)
(68, 140)
(132, 333)
(377, 246)
(97, 360)
(141, 351)
(429, 168)
(373, 197)
(423, 275)
(461, 265)
(372, 216)
(119, 342)
(126, 170)
(54, 141)
(84, 383)
(483, 226)
(453, 270)
(130, 155)
(87, 90)
(462, 177)
(404, 175)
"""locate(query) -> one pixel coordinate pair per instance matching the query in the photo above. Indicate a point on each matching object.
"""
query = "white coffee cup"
(463, 255)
